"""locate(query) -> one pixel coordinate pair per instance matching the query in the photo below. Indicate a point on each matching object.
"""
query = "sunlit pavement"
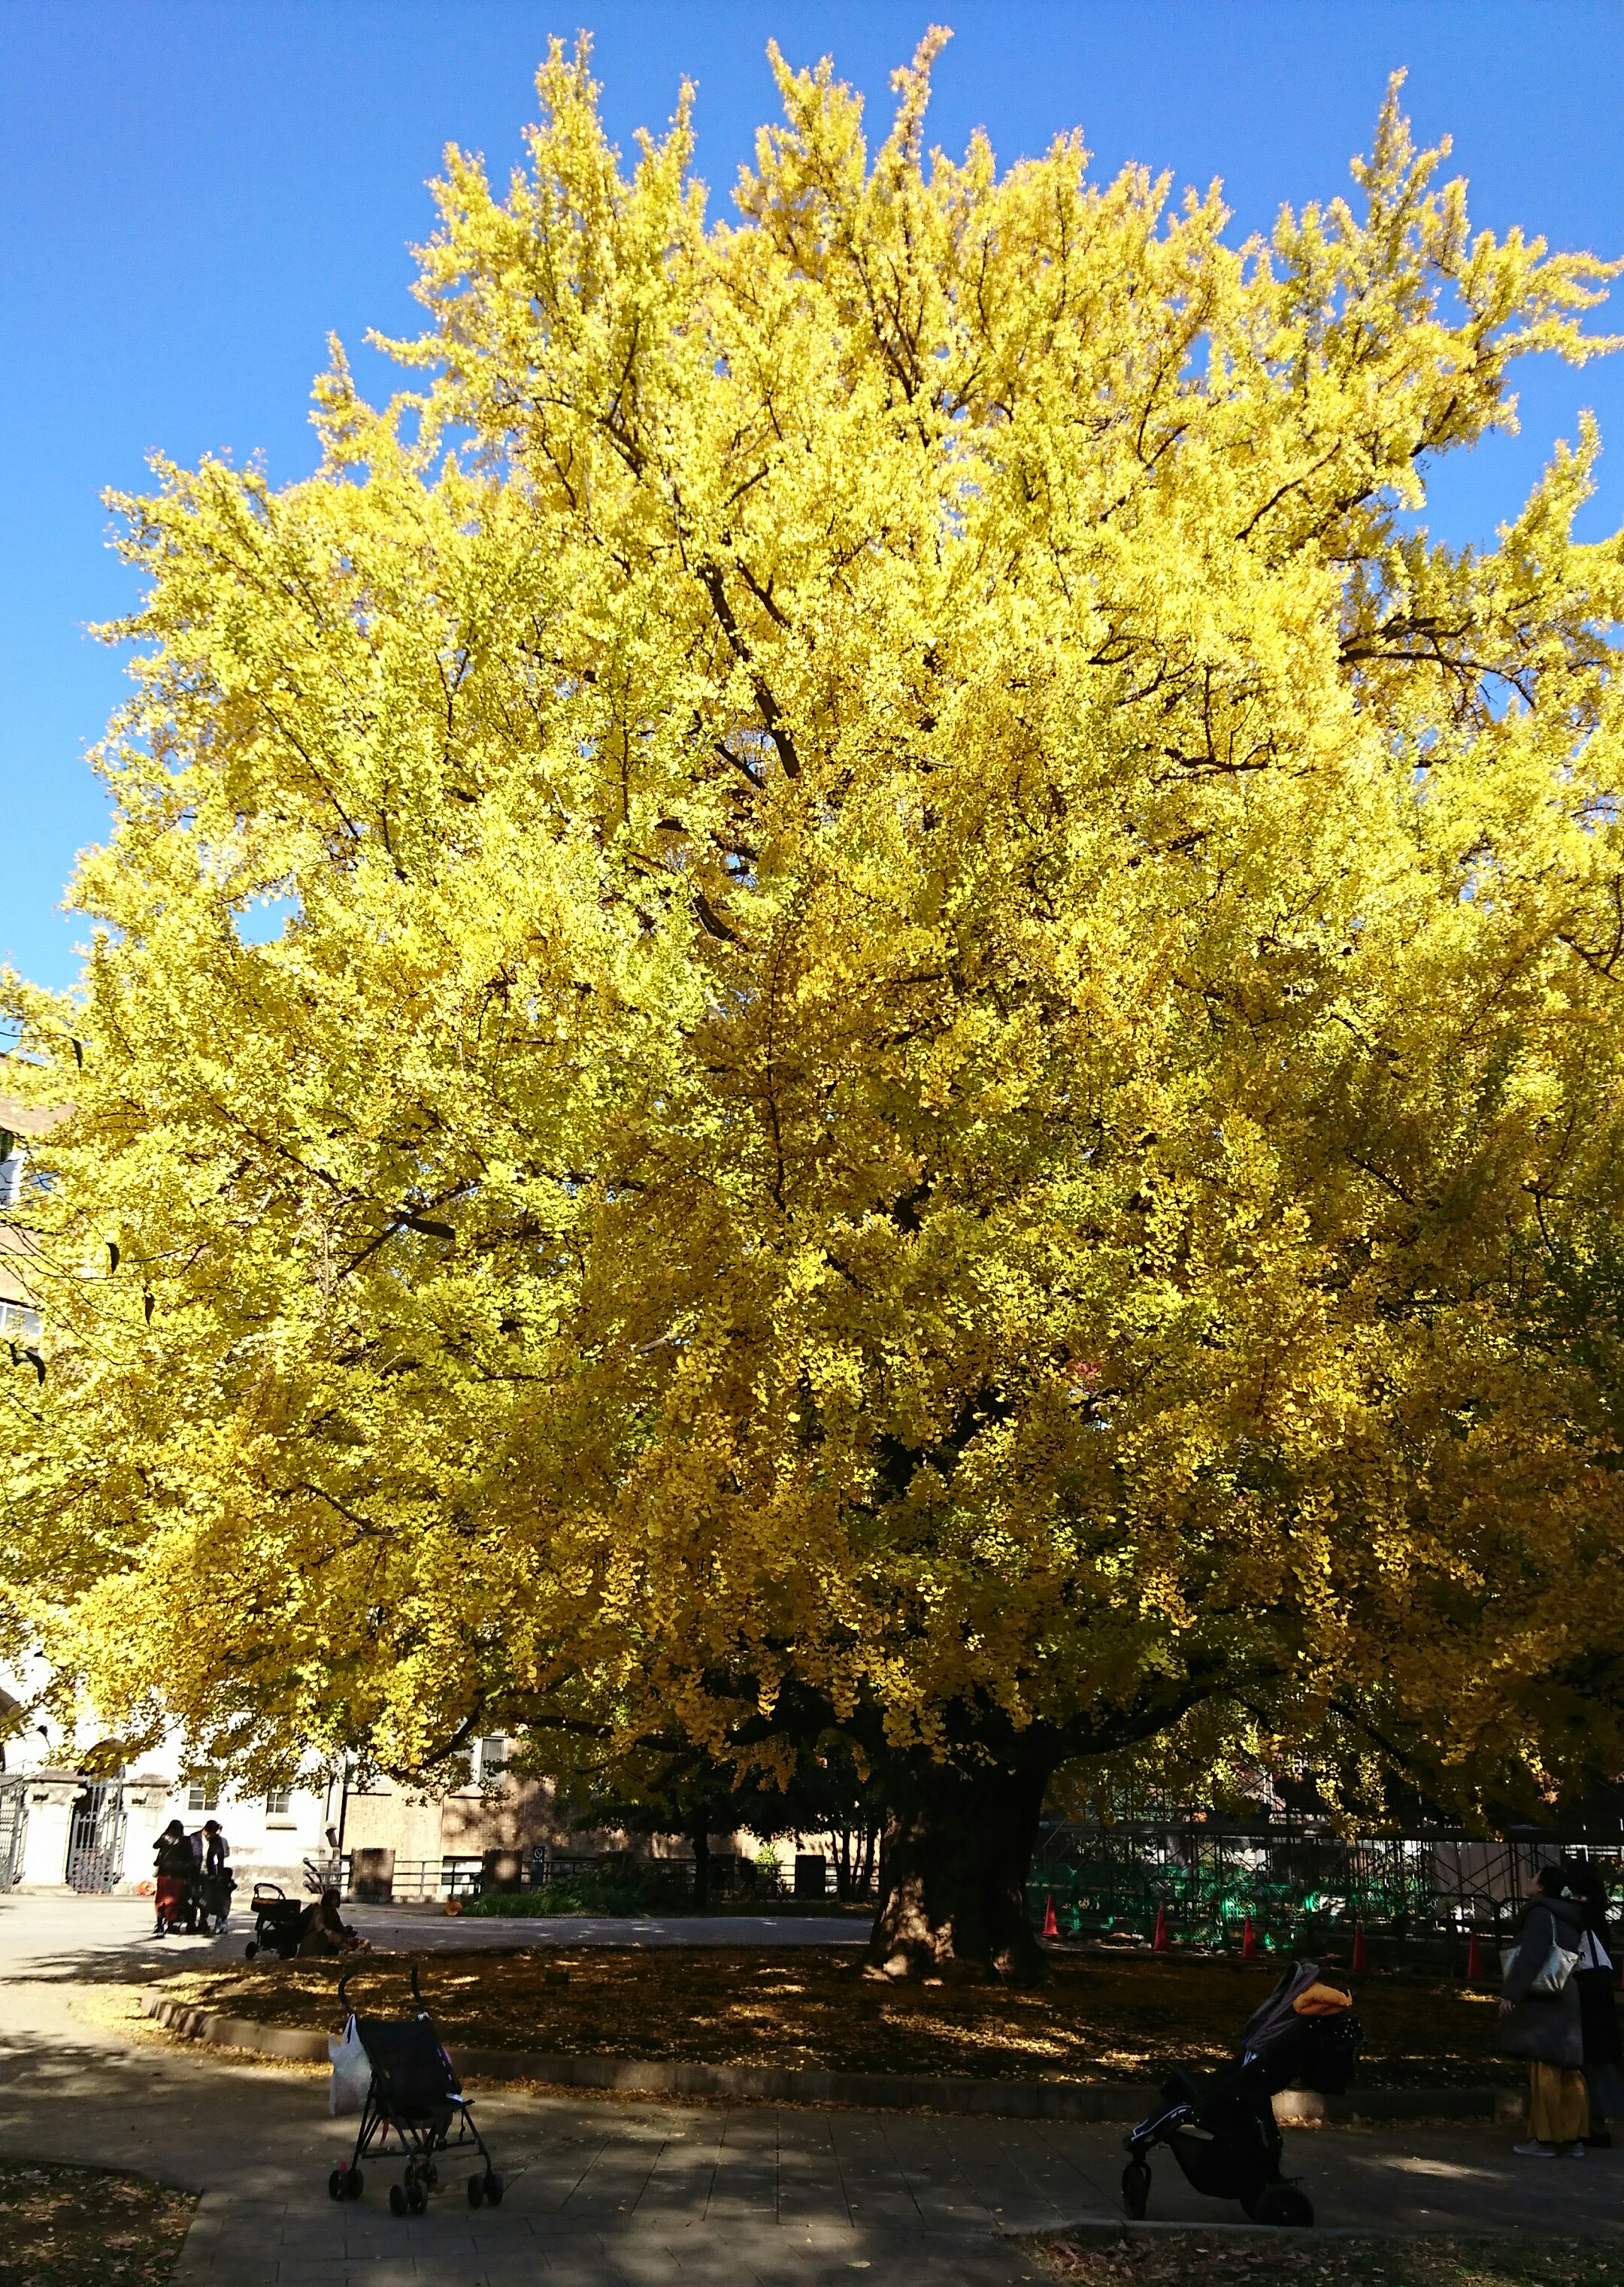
(614, 2191)
(46, 1929)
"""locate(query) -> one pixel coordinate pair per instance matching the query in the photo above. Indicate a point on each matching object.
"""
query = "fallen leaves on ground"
(85, 2227)
(1193, 2260)
(1099, 2018)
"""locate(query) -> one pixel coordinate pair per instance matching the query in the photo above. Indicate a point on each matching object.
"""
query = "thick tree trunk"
(954, 1859)
(701, 1838)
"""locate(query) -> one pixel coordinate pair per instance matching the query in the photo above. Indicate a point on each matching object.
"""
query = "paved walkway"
(614, 2193)
(55, 1931)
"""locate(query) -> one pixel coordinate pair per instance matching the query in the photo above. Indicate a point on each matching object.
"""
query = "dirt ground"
(83, 2228)
(1097, 2019)
(1173, 2259)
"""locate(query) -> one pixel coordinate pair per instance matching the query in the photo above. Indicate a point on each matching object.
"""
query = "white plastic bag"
(351, 2073)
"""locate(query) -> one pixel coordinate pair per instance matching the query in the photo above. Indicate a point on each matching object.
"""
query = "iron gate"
(13, 1829)
(96, 1842)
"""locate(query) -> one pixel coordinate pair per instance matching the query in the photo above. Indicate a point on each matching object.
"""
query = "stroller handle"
(344, 1997)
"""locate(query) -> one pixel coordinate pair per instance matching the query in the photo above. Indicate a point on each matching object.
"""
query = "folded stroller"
(1221, 2130)
(415, 2096)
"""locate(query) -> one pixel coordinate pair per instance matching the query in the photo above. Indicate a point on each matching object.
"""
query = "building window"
(279, 1802)
(493, 1756)
(20, 1323)
(203, 1794)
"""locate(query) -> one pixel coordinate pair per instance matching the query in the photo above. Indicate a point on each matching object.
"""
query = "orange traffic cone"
(1361, 1960)
(1248, 1942)
(1474, 1961)
(1051, 1927)
(1158, 1942)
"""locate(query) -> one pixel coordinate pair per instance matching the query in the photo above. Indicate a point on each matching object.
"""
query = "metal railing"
(663, 1881)
(1299, 1886)
(416, 1880)
(732, 1880)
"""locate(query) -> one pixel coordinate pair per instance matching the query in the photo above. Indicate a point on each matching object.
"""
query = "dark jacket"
(1544, 2027)
(1598, 2007)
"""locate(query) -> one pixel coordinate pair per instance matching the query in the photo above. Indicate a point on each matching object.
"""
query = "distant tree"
(681, 1792)
(830, 1795)
(947, 1033)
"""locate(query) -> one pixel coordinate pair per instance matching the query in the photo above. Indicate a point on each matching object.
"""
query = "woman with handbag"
(1539, 2020)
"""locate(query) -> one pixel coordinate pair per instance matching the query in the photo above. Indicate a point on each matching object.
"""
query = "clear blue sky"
(196, 191)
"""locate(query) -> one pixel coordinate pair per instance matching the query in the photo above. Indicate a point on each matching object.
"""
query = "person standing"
(1544, 2025)
(172, 1864)
(197, 1843)
(1598, 2008)
(215, 1883)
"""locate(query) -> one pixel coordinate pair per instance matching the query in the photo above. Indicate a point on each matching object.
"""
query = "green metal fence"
(1300, 1889)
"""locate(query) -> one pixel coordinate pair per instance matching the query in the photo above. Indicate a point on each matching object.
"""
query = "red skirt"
(172, 1895)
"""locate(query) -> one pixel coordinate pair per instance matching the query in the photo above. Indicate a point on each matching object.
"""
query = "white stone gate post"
(50, 1797)
(145, 1800)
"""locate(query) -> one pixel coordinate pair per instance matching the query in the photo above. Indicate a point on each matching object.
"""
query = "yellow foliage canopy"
(946, 1054)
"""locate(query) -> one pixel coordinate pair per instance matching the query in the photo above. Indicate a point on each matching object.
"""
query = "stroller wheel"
(397, 2199)
(476, 2191)
(336, 2185)
(1282, 2204)
(250, 1950)
(416, 2195)
(493, 2188)
(354, 2183)
(1136, 2189)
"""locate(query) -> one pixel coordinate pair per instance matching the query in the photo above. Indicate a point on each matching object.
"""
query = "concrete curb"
(234, 2032)
(1001, 2100)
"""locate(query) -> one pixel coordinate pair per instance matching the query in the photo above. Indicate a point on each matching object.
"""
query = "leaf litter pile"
(73, 2227)
(1097, 2019)
(1177, 2260)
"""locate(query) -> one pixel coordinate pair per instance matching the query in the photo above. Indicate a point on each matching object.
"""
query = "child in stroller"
(1223, 2133)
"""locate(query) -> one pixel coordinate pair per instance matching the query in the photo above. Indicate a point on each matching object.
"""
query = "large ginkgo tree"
(941, 1078)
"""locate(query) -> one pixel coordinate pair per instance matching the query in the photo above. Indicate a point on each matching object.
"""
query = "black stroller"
(1221, 2130)
(277, 1923)
(414, 2095)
